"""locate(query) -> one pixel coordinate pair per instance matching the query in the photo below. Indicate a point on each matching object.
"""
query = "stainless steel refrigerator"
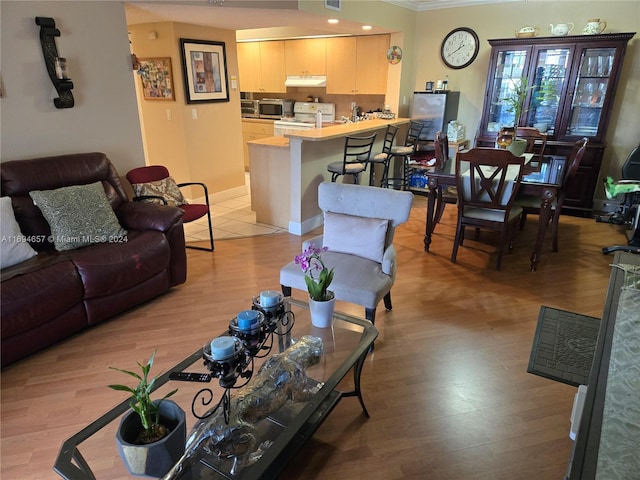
(436, 109)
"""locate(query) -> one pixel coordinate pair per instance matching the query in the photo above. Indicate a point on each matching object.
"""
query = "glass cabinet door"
(591, 90)
(510, 68)
(548, 86)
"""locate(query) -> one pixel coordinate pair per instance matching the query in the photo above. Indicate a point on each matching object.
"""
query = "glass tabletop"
(92, 453)
(549, 171)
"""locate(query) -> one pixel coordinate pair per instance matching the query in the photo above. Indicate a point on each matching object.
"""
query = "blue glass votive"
(223, 347)
(269, 298)
(247, 319)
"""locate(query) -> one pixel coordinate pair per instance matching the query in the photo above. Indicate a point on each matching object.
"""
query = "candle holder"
(230, 357)
(227, 360)
(251, 327)
(278, 319)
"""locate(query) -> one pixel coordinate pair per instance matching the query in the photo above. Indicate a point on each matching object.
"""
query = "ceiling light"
(367, 27)
(333, 20)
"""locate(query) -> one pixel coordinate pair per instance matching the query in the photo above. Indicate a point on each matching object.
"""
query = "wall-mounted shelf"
(63, 85)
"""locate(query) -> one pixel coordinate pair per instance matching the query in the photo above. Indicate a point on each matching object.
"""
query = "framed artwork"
(205, 71)
(157, 78)
(333, 4)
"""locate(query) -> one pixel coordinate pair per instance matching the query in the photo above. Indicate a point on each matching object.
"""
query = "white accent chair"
(354, 215)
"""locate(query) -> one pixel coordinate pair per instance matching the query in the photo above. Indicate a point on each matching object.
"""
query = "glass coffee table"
(92, 453)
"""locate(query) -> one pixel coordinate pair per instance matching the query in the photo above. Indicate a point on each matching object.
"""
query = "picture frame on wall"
(204, 64)
(156, 77)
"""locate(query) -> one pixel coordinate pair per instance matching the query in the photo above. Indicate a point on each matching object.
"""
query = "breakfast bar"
(285, 171)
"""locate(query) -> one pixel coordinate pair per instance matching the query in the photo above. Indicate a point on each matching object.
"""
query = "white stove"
(305, 115)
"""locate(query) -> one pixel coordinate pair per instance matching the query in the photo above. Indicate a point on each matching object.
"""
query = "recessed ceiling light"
(333, 20)
(367, 27)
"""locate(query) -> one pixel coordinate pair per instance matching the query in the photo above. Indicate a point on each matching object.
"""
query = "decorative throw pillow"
(360, 236)
(14, 248)
(166, 188)
(79, 215)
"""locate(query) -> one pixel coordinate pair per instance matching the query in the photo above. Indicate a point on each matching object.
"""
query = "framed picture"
(205, 71)
(157, 78)
(333, 4)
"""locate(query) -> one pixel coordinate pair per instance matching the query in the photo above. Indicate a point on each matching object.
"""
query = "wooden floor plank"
(446, 386)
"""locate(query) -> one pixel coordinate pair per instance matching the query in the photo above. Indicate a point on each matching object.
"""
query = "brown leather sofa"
(57, 294)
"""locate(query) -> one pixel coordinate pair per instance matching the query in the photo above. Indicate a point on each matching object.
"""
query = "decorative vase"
(505, 136)
(517, 146)
(322, 312)
(155, 459)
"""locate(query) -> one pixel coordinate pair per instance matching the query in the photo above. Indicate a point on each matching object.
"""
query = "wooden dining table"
(542, 178)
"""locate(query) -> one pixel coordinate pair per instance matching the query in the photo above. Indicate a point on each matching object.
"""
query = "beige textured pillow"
(14, 248)
(359, 236)
(166, 188)
(79, 215)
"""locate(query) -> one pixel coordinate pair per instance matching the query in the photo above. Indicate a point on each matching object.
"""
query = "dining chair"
(384, 156)
(531, 204)
(444, 195)
(359, 225)
(357, 152)
(154, 184)
(405, 151)
(487, 180)
(532, 136)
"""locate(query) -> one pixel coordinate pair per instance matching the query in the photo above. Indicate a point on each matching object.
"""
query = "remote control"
(190, 377)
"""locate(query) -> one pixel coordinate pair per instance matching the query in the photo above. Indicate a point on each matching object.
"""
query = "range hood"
(306, 81)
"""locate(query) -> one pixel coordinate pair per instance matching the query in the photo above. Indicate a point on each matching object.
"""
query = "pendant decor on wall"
(56, 65)
(394, 55)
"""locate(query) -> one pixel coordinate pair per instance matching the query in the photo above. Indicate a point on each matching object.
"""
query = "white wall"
(105, 116)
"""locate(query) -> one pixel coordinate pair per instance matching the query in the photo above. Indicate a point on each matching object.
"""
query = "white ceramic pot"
(594, 26)
(561, 29)
(322, 312)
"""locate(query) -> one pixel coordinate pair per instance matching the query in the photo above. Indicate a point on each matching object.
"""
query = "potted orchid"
(318, 277)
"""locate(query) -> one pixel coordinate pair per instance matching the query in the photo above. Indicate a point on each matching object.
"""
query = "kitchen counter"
(258, 120)
(341, 130)
(286, 171)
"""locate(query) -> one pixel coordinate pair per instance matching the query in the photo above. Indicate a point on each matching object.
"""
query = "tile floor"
(231, 218)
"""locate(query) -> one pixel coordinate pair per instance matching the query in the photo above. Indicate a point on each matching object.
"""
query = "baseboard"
(222, 196)
(300, 228)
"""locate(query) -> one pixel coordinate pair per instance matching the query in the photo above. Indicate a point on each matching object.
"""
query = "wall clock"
(460, 48)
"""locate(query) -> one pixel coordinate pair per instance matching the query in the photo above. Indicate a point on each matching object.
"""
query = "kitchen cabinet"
(254, 130)
(569, 86)
(306, 56)
(357, 65)
(262, 66)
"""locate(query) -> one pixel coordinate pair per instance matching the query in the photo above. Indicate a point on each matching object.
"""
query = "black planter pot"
(155, 459)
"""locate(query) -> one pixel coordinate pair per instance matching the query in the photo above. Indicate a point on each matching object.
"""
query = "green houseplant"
(515, 104)
(310, 260)
(515, 100)
(318, 277)
(151, 437)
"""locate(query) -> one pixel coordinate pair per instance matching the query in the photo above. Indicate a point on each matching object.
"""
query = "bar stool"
(385, 156)
(357, 151)
(405, 151)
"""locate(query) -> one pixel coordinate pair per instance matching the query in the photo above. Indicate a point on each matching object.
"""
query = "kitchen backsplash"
(342, 102)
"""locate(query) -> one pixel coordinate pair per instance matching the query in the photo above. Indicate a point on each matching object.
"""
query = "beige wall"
(207, 149)
(94, 41)
(501, 21)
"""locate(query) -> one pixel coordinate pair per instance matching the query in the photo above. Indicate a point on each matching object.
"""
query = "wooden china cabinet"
(570, 86)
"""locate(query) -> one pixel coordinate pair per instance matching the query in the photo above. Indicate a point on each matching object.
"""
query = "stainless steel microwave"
(275, 108)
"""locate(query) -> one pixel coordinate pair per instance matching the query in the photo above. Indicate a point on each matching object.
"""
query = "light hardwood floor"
(446, 386)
